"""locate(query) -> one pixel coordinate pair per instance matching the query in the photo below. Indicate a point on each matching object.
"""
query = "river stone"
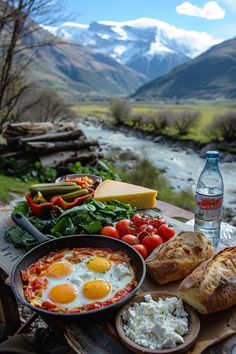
(228, 158)
(129, 155)
(208, 147)
(157, 139)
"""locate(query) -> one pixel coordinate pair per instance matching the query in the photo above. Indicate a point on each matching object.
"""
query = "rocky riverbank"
(227, 151)
(180, 162)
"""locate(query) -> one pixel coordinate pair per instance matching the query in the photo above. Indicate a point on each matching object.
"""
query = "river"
(182, 167)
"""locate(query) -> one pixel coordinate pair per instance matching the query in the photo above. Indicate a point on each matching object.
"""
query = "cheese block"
(137, 196)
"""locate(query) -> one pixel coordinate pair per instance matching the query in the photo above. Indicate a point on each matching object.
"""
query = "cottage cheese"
(156, 324)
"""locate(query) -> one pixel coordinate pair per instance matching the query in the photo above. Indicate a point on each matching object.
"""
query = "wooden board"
(214, 328)
(103, 336)
(9, 256)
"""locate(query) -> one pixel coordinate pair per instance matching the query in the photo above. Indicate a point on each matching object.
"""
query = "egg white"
(118, 276)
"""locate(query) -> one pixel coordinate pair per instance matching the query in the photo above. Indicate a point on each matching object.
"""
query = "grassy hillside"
(209, 76)
(77, 71)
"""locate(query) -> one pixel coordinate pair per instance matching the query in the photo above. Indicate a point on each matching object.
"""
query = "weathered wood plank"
(57, 158)
(173, 211)
(48, 147)
(58, 136)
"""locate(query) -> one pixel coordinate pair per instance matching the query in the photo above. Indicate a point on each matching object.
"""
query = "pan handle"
(26, 225)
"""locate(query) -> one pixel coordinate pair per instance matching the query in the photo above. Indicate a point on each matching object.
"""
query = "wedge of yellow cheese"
(137, 196)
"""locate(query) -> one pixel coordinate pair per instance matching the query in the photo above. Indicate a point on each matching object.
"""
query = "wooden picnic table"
(85, 337)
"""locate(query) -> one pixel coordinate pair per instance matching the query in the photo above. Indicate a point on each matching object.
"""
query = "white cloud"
(210, 11)
(192, 43)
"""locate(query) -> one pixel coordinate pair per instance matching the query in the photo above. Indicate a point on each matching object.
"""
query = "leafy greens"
(88, 218)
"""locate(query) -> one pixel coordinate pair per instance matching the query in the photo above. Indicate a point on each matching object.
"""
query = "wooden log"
(24, 128)
(58, 158)
(61, 136)
(4, 148)
(14, 154)
(13, 141)
(48, 147)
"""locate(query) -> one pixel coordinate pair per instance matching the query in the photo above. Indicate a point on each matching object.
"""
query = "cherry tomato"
(151, 242)
(125, 226)
(130, 239)
(138, 220)
(109, 231)
(155, 231)
(166, 232)
(155, 222)
(142, 250)
(144, 230)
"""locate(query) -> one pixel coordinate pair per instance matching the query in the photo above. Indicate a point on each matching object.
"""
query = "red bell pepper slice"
(38, 209)
(59, 201)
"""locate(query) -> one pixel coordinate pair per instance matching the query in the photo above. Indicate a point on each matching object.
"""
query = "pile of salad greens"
(87, 218)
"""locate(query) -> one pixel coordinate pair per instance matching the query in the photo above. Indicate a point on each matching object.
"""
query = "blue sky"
(215, 17)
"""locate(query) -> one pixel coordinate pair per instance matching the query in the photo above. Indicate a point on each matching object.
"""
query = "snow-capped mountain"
(148, 45)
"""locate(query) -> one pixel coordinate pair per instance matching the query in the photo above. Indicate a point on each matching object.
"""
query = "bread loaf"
(211, 287)
(178, 257)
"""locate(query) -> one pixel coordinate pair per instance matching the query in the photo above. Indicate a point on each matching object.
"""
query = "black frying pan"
(45, 247)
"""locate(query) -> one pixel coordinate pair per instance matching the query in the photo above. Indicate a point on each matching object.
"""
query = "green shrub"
(120, 110)
(162, 119)
(223, 127)
(143, 121)
(185, 120)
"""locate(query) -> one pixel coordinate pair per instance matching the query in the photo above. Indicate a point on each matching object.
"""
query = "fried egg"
(94, 279)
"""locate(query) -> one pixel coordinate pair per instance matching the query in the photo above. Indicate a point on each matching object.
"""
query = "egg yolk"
(63, 293)
(99, 265)
(59, 270)
(96, 289)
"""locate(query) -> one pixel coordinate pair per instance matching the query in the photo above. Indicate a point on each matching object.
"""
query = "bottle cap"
(212, 154)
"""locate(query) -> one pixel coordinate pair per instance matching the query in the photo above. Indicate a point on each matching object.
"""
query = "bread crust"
(179, 256)
(211, 287)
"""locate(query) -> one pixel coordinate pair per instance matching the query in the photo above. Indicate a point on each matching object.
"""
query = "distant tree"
(162, 119)
(18, 20)
(185, 120)
(136, 120)
(120, 110)
(223, 127)
(42, 105)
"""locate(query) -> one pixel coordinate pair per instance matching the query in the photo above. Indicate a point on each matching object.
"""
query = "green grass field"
(13, 185)
(208, 110)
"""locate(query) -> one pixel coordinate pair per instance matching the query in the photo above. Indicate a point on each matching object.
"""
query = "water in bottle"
(209, 199)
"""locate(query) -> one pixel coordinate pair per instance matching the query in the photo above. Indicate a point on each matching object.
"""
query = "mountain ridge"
(149, 46)
(209, 76)
(75, 70)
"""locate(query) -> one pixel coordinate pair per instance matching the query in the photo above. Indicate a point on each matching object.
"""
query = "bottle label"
(208, 208)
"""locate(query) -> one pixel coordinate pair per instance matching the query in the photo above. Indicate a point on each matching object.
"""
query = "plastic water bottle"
(209, 199)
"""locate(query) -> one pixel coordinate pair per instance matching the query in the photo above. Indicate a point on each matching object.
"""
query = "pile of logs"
(52, 144)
